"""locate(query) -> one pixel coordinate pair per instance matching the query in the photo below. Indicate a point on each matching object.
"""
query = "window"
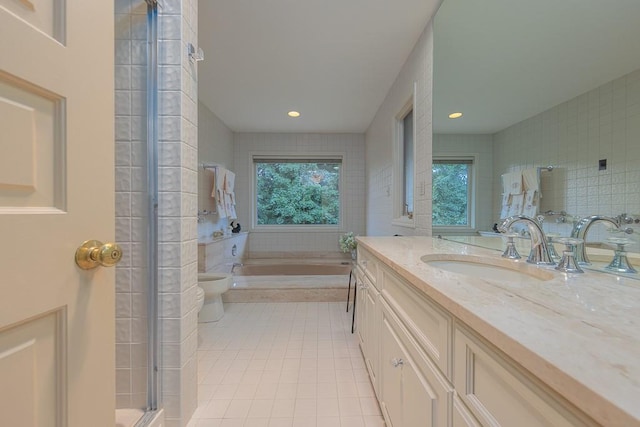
(407, 155)
(452, 192)
(297, 192)
(404, 166)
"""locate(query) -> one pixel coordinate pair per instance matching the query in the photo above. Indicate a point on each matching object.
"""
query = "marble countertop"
(578, 333)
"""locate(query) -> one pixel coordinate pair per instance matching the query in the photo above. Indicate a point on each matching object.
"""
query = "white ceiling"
(333, 61)
(502, 61)
(498, 61)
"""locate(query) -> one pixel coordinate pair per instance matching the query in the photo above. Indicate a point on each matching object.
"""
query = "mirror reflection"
(538, 84)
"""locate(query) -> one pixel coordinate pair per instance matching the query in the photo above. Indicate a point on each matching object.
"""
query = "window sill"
(460, 231)
(404, 221)
(296, 229)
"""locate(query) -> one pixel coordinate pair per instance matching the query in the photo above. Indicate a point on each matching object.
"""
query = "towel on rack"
(517, 202)
(512, 197)
(512, 183)
(229, 195)
(530, 207)
(213, 181)
(531, 183)
(531, 179)
(219, 190)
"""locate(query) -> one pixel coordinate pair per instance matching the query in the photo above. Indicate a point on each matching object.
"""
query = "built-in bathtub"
(301, 269)
(289, 280)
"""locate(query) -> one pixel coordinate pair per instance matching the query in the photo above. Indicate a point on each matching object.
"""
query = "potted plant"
(348, 244)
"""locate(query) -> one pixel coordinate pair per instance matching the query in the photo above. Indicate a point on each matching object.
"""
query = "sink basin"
(487, 268)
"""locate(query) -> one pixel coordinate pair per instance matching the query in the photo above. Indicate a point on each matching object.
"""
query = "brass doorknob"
(94, 253)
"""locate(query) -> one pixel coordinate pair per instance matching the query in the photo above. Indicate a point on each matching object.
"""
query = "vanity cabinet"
(429, 369)
(499, 393)
(368, 315)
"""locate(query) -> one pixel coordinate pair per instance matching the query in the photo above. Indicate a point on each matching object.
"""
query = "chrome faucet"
(580, 231)
(539, 253)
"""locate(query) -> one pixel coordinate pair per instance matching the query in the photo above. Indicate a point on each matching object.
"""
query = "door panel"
(56, 191)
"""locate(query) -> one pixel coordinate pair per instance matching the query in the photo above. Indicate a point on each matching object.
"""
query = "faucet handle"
(511, 252)
(620, 262)
(552, 249)
(568, 262)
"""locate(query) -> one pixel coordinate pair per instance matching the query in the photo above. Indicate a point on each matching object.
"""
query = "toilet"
(211, 286)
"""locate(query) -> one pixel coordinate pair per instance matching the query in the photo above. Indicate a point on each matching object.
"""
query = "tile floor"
(283, 365)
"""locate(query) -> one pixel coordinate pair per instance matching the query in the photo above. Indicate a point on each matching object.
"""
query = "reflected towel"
(229, 181)
(530, 207)
(517, 203)
(512, 183)
(531, 179)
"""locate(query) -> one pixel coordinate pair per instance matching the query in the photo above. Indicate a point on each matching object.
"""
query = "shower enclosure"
(137, 346)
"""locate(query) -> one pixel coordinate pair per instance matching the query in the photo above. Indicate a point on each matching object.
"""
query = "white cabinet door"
(57, 329)
(414, 393)
(499, 394)
(372, 316)
(390, 375)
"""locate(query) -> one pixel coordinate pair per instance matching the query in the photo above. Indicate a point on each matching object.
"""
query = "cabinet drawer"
(499, 393)
(429, 324)
(368, 264)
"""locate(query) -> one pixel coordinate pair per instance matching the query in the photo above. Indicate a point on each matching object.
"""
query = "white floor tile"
(283, 365)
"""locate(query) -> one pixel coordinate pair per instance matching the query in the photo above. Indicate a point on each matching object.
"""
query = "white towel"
(531, 179)
(213, 182)
(512, 183)
(220, 200)
(229, 181)
(228, 195)
(530, 207)
(517, 202)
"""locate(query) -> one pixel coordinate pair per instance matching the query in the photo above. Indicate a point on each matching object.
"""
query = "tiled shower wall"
(131, 223)
(603, 123)
(417, 69)
(301, 243)
(177, 206)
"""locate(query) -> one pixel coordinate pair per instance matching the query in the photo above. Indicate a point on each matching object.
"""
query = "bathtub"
(279, 280)
(301, 269)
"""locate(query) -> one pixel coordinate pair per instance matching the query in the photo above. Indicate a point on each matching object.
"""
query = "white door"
(56, 190)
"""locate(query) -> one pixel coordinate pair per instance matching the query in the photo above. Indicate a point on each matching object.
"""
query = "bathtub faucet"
(236, 264)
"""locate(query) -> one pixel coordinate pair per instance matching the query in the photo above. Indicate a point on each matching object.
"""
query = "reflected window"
(452, 192)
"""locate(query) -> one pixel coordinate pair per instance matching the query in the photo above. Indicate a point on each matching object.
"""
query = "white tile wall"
(351, 145)
(177, 206)
(379, 144)
(131, 310)
(603, 123)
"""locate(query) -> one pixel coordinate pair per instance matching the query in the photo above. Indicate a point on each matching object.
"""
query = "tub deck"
(285, 280)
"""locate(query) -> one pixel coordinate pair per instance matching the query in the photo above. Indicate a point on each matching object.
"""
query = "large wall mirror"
(539, 83)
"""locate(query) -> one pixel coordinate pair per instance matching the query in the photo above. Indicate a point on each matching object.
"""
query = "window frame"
(274, 156)
(399, 218)
(470, 228)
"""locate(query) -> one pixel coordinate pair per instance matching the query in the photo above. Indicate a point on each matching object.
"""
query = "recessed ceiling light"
(455, 115)
(293, 114)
